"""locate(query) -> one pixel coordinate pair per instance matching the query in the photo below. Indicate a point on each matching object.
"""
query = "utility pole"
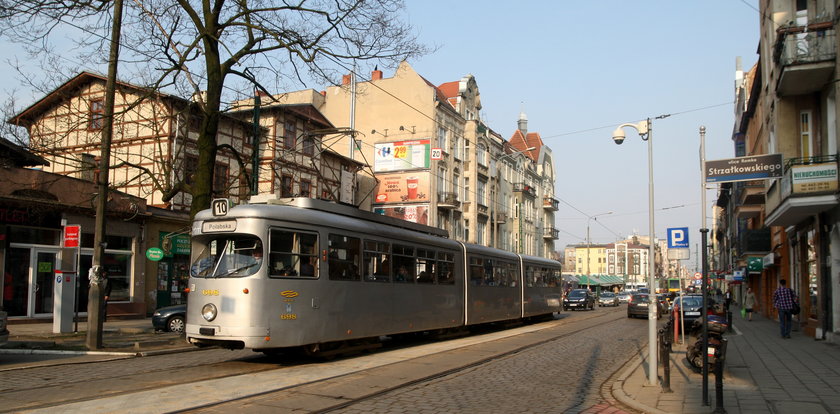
(96, 293)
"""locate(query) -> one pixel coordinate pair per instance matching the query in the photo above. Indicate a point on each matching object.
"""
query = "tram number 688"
(288, 316)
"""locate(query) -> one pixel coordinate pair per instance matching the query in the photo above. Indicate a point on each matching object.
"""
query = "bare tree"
(203, 48)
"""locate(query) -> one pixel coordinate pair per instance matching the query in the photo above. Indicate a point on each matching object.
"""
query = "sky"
(578, 70)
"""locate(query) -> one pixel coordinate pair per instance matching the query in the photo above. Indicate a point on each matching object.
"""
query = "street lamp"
(589, 241)
(646, 133)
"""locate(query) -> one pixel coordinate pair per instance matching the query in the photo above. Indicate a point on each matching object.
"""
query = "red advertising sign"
(72, 235)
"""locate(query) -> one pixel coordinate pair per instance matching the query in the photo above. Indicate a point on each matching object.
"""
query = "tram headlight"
(209, 312)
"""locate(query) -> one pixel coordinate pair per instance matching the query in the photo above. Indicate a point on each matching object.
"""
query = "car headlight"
(209, 312)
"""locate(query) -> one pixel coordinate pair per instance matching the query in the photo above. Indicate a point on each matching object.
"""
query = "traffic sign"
(698, 276)
(678, 238)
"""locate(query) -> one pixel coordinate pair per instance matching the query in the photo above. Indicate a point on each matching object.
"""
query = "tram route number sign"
(220, 207)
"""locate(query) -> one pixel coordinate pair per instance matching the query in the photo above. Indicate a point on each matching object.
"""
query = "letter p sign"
(678, 238)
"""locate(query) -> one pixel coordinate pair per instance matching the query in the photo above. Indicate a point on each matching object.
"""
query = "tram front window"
(227, 257)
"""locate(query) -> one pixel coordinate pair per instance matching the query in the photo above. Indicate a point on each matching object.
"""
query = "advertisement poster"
(814, 178)
(403, 188)
(401, 155)
(416, 214)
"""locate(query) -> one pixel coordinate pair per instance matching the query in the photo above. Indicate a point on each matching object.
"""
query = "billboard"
(406, 187)
(402, 155)
(814, 178)
(414, 213)
(757, 167)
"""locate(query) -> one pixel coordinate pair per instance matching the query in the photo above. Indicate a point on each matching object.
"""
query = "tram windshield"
(227, 256)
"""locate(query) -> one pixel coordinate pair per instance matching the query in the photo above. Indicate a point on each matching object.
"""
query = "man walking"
(783, 301)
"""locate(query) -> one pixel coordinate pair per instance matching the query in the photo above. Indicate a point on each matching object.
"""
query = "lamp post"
(589, 241)
(646, 133)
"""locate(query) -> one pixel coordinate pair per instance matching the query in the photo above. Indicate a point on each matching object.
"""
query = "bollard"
(729, 319)
(666, 360)
(721, 358)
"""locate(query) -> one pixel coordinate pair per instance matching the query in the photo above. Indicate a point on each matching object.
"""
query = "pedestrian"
(784, 300)
(749, 303)
(727, 299)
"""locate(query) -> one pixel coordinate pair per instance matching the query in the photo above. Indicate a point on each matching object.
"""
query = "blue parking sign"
(678, 238)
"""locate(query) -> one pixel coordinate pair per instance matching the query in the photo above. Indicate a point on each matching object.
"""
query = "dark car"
(4, 333)
(693, 308)
(639, 304)
(579, 299)
(170, 318)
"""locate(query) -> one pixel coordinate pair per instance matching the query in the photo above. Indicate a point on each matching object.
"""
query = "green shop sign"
(154, 254)
(178, 244)
(755, 264)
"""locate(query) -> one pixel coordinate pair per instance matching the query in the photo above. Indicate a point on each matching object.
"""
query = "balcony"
(448, 201)
(807, 188)
(551, 203)
(752, 242)
(550, 233)
(525, 189)
(482, 210)
(749, 196)
(501, 217)
(806, 57)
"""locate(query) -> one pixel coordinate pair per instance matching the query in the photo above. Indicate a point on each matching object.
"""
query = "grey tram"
(301, 272)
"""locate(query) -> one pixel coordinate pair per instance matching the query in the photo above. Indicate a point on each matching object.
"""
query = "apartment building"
(787, 228)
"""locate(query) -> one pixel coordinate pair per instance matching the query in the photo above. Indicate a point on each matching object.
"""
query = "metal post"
(651, 263)
(664, 349)
(704, 234)
(719, 361)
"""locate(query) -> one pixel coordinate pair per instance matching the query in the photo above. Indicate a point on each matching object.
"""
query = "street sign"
(698, 276)
(754, 167)
(71, 236)
(678, 238)
(437, 154)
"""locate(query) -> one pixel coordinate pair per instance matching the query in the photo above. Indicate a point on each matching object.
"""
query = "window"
(480, 193)
(289, 134)
(466, 230)
(479, 232)
(96, 117)
(446, 267)
(456, 146)
(481, 154)
(441, 181)
(293, 253)
(309, 145)
(305, 188)
(466, 150)
(220, 179)
(87, 165)
(377, 261)
(344, 257)
(426, 265)
(441, 138)
(466, 189)
(806, 138)
(286, 186)
(404, 264)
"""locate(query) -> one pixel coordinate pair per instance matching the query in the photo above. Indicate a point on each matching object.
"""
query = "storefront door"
(16, 281)
(44, 281)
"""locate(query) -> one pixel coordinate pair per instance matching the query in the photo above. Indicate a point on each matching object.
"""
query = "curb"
(621, 396)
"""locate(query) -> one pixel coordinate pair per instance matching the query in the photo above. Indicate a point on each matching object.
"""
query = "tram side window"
(377, 263)
(446, 267)
(426, 265)
(344, 257)
(505, 274)
(552, 277)
(404, 264)
(293, 254)
(530, 278)
(477, 271)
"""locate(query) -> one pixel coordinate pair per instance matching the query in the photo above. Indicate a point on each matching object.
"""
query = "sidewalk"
(763, 373)
(131, 337)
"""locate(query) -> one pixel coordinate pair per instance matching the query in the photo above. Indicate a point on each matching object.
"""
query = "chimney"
(345, 80)
(522, 124)
(376, 75)
(323, 93)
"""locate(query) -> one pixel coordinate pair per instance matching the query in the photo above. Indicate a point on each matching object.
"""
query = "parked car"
(579, 299)
(693, 308)
(4, 323)
(639, 304)
(623, 297)
(170, 318)
(607, 299)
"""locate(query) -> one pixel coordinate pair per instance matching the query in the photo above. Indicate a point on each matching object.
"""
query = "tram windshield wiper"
(238, 269)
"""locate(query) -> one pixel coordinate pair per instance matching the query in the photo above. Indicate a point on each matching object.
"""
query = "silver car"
(623, 297)
(607, 299)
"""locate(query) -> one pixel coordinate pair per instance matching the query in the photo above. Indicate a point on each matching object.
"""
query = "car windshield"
(577, 294)
(641, 298)
(607, 295)
(227, 256)
(691, 301)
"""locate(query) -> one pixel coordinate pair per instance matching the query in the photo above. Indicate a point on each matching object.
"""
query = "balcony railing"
(551, 233)
(551, 203)
(805, 56)
(526, 189)
(448, 200)
(501, 217)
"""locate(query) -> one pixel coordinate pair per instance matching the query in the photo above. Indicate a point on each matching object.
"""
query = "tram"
(300, 272)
